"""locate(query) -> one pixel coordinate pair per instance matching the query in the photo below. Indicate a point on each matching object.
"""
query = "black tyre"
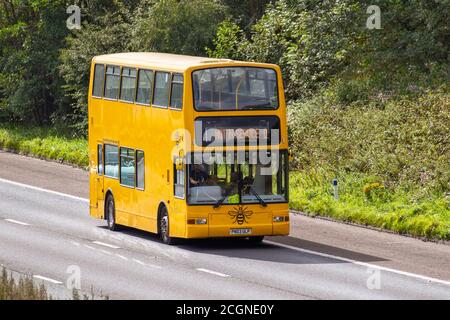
(111, 214)
(256, 239)
(164, 232)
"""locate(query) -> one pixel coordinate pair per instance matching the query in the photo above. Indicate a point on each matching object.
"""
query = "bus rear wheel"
(111, 214)
(164, 228)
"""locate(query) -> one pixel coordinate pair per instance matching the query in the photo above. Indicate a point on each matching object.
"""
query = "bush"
(404, 142)
(23, 289)
(371, 204)
(44, 143)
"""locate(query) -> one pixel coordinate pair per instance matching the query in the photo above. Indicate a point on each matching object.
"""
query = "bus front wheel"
(256, 239)
(111, 214)
(164, 228)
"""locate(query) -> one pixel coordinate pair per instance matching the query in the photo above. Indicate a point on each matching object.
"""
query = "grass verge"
(23, 289)
(44, 143)
(365, 200)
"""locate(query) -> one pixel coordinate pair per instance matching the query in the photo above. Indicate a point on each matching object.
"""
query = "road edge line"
(26, 186)
(364, 264)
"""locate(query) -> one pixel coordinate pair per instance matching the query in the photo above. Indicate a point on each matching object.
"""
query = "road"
(45, 231)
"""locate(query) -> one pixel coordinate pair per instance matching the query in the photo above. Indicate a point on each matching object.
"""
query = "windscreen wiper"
(261, 201)
(220, 202)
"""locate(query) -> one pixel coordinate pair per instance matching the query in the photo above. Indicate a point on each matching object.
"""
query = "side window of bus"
(140, 170)
(100, 160)
(128, 88)
(127, 167)
(162, 88)
(176, 99)
(111, 161)
(145, 85)
(99, 77)
(112, 82)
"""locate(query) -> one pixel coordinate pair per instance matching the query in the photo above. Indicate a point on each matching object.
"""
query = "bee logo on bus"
(240, 215)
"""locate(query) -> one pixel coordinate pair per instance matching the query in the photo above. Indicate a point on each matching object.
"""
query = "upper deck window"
(162, 88)
(235, 88)
(112, 82)
(176, 98)
(145, 84)
(128, 89)
(99, 76)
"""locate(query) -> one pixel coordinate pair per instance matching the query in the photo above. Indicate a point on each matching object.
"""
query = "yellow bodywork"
(151, 129)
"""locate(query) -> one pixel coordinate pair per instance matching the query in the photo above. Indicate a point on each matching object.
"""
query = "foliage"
(163, 26)
(45, 143)
(23, 289)
(317, 42)
(310, 42)
(31, 33)
(404, 141)
(109, 34)
(400, 209)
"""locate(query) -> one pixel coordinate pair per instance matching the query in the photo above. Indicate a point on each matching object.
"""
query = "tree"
(184, 27)
(109, 33)
(31, 33)
(310, 40)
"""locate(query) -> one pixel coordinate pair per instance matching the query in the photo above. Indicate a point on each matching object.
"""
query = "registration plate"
(240, 231)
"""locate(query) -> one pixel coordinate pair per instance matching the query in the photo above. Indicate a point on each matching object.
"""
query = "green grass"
(44, 143)
(365, 200)
(23, 289)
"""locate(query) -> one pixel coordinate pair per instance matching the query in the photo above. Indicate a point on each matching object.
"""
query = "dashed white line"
(17, 222)
(26, 186)
(122, 257)
(145, 264)
(89, 247)
(105, 252)
(364, 264)
(223, 275)
(139, 262)
(47, 279)
(106, 245)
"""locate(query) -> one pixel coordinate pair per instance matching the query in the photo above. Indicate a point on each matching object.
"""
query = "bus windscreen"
(235, 88)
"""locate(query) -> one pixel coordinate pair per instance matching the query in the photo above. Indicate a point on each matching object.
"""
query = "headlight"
(278, 219)
(201, 221)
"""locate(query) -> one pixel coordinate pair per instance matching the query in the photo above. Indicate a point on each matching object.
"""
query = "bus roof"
(162, 60)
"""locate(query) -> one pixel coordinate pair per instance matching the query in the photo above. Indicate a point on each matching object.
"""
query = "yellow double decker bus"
(188, 147)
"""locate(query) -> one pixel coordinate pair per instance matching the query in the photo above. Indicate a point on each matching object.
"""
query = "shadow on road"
(243, 249)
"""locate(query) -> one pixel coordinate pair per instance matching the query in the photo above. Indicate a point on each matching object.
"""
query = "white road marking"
(26, 186)
(17, 222)
(146, 264)
(75, 243)
(89, 247)
(364, 264)
(139, 262)
(47, 279)
(122, 257)
(223, 275)
(106, 245)
(105, 252)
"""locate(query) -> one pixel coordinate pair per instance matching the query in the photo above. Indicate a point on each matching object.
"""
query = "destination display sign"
(232, 131)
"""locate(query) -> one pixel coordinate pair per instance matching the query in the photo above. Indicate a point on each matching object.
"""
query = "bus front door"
(99, 188)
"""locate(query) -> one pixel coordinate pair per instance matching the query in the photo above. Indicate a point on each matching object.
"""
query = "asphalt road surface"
(45, 231)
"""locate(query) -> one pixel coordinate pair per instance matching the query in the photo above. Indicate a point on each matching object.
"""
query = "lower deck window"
(127, 167)
(111, 161)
